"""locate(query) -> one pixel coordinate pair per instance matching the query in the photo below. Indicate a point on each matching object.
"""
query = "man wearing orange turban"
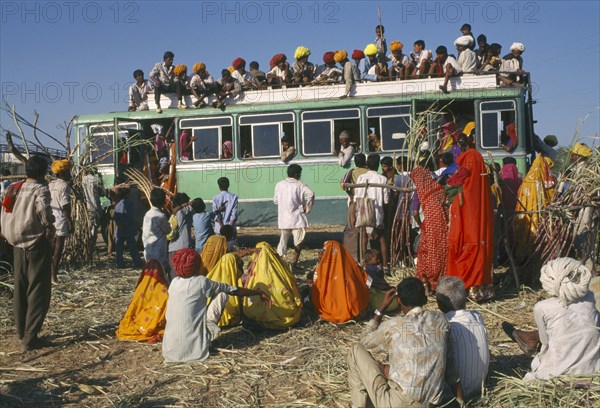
(349, 71)
(192, 322)
(399, 61)
(202, 84)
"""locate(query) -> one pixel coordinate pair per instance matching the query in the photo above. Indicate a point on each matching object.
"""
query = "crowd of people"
(373, 64)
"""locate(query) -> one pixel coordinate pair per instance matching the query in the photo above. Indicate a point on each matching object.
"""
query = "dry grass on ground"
(248, 367)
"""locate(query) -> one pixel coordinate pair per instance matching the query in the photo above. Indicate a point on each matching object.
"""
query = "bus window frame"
(111, 134)
(265, 123)
(220, 139)
(499, 122)
(331, 122)
(399, 116)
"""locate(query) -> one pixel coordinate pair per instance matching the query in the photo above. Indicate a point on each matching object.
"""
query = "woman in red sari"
(433, 244)
(470, 239)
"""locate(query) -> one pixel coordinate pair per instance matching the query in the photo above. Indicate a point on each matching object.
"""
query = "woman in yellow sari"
(144, 319)
(214, 249)
(228, 270)
(535, 194)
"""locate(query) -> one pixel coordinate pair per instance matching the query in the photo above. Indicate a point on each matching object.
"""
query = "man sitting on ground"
(415, 343)
(567, 324)
(191, 321)
(468, 356)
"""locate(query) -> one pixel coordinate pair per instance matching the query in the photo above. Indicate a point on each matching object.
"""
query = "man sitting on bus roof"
(163, 75)
(226, 87)
(349, 71)
(245, 78)
(446, 64)
(328, 72)
(138, 92)
(279, 74)
(420, 60)
(512, 63)
(366, 63)
(302, 69)
(202, 84)
(467, 59)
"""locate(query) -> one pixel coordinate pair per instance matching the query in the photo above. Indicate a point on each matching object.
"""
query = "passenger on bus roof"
(357, 56)
(279, 74)
(181, 77)
(467, 59)
(245, 78)
(366, 63)
(380, 42)
(227, 87)
(466, 30)
(328, 72)
(259, 76)
(302, 70)
(202, 84)
(512, 63)
(287, 150)
(483, 47)
(163, 75)
(138, 92)
(491, 60)
(420, 60)
(399, 61)
(444, 65)
(349, 71)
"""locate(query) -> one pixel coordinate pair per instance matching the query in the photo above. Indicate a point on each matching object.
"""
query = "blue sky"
(62, 58)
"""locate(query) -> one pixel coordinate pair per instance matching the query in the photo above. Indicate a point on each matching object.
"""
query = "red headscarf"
(238, 63)
(328, 57)
(186, 263)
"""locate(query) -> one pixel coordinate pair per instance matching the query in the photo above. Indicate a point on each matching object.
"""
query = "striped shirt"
(468, 355)
(30, 217)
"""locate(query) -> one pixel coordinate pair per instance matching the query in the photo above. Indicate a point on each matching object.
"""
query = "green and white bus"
(312, 117)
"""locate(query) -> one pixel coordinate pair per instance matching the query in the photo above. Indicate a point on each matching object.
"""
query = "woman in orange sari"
(470, 239)
(144, 319)
(339, 291)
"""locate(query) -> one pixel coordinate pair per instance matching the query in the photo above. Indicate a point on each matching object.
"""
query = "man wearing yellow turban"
(302, 70)
(60, 202)
(370, 60)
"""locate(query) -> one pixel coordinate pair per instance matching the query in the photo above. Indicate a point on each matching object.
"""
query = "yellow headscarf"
(340, 55)
(469, 128)
(301, 52)
(396, 46)
(58, 166)
(230, 69)
(371, 50)
(180, 69)
(580, 149)
(199, 66)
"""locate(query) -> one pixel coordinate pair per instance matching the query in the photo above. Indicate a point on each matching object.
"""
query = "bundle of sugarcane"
(570, 218)
(563, 391)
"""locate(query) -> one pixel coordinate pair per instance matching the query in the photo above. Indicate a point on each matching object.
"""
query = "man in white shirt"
(380, 197)
(420, 59)
(139, 91)
(467, 59)
(155, 229)
(294, 200)
(468, 356)
(445, 64)
(60, 194)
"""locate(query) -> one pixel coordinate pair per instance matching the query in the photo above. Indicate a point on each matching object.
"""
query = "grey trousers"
(32, 288)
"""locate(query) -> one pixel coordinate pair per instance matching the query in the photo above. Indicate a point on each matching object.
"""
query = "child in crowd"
(181, 238)
(203, 222)
(155, 229)
(376, 280)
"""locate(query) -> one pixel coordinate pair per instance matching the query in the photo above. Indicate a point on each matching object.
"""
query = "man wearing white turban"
(467, 59)
(512, 63)
(567, 322)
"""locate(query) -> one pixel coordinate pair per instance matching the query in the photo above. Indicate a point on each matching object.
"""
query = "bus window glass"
(265, 140)
(206, 145)
(393, 132)
(316, 138)
(498, 125)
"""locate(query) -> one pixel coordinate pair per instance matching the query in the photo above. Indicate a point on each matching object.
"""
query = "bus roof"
(321, 96)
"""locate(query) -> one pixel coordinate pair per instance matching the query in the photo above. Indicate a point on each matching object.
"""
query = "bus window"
(101, 144)
(388, 127)
(260, 135)
(213, 137)
(320, 130)
(498, 125)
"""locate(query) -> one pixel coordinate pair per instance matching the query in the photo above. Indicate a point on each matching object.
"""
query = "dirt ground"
(248, 367)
